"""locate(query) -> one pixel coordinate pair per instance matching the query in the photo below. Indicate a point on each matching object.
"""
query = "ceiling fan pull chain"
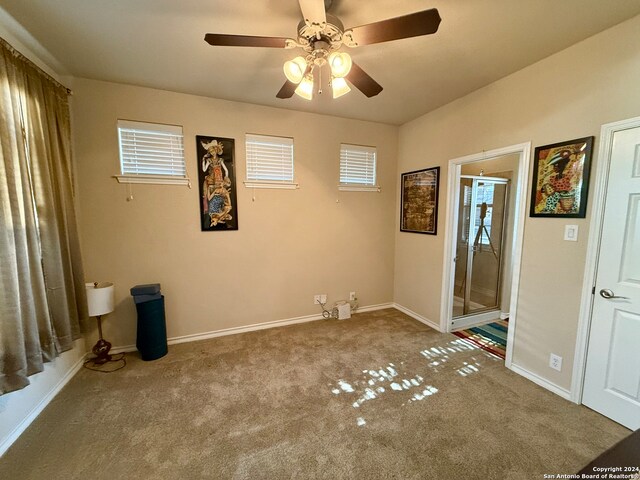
(320, 81)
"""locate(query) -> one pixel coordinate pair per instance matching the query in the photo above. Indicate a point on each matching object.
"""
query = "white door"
(612, 377)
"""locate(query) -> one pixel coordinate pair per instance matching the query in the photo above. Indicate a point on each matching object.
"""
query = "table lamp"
(101, 300)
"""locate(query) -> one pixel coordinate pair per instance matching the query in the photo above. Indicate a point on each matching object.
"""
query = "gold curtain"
(42, 296)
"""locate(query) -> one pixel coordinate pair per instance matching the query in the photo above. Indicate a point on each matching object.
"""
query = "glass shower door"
(462, 247)
(479, 250)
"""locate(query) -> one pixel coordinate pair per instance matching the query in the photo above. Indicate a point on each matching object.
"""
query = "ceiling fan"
(320, 36)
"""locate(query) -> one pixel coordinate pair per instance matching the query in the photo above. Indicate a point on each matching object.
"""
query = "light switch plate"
(571, 233)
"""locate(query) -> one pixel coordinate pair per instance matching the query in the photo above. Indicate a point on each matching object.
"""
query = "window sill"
(152, 179)
(283, 186)
(358, 188)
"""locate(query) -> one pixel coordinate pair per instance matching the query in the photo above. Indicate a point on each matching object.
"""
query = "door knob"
(608, 294)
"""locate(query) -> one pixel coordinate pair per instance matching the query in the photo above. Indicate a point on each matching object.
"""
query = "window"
(484, 195)
(357, 168)
(269, 162)
(151, 153)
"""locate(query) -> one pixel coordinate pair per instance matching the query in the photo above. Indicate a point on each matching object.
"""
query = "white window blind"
(484, 194)
(269, 159)
(357, 165)
(149, 149)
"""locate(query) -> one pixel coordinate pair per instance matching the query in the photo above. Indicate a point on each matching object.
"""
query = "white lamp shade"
(101, 299)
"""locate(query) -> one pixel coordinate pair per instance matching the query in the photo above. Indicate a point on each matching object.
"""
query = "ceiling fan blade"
(287, 90)
(313, 11)
(223, 40)
(407, 26)
(363, 82)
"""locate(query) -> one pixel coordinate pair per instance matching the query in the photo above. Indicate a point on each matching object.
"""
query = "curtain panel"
(42, 295)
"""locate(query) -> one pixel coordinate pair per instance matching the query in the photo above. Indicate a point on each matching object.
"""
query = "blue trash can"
(151, 338)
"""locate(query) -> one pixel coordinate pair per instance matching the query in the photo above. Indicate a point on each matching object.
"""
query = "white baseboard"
(24, 424)
(417, 316)
(120, 349)
(249, 328)
(552, 387)
(372, 308)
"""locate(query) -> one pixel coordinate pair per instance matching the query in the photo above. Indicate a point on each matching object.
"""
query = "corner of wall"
(20, 408)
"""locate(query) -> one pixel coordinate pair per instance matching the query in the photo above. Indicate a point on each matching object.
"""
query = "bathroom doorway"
(486, 208)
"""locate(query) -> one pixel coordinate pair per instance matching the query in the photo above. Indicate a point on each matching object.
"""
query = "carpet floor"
(376, 396)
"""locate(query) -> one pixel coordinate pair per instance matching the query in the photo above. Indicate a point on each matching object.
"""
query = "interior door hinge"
(593, 290)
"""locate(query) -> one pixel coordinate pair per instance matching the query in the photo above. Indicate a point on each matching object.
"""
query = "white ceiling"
(159, 43)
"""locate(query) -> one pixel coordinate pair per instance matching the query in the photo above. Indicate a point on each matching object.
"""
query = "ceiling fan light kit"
(300, 72)
(321, 36)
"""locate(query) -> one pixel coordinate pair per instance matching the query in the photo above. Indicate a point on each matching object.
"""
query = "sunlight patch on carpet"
(375, 383)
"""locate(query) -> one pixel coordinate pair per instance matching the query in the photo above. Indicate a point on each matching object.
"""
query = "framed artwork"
(561, 179)
(217, 180)
(419, 201)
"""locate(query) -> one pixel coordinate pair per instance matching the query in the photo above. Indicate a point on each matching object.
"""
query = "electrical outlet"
(318, 299)
(352, 296)
(555, 361)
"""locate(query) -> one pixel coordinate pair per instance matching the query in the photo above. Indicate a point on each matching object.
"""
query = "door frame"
(519, 189)
(601, 176)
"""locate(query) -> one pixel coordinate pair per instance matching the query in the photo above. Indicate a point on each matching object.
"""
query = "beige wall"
(568, 95)
(291, 244)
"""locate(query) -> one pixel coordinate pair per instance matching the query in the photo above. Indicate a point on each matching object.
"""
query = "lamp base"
(103, 361)
(102, 357)
(101, 352)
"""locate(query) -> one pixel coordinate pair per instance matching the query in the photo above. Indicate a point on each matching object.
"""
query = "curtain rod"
(40, 71)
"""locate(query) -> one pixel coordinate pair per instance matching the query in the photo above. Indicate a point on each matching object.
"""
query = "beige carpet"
(376, 396)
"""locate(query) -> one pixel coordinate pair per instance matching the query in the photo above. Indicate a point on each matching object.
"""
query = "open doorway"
(485, 218)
